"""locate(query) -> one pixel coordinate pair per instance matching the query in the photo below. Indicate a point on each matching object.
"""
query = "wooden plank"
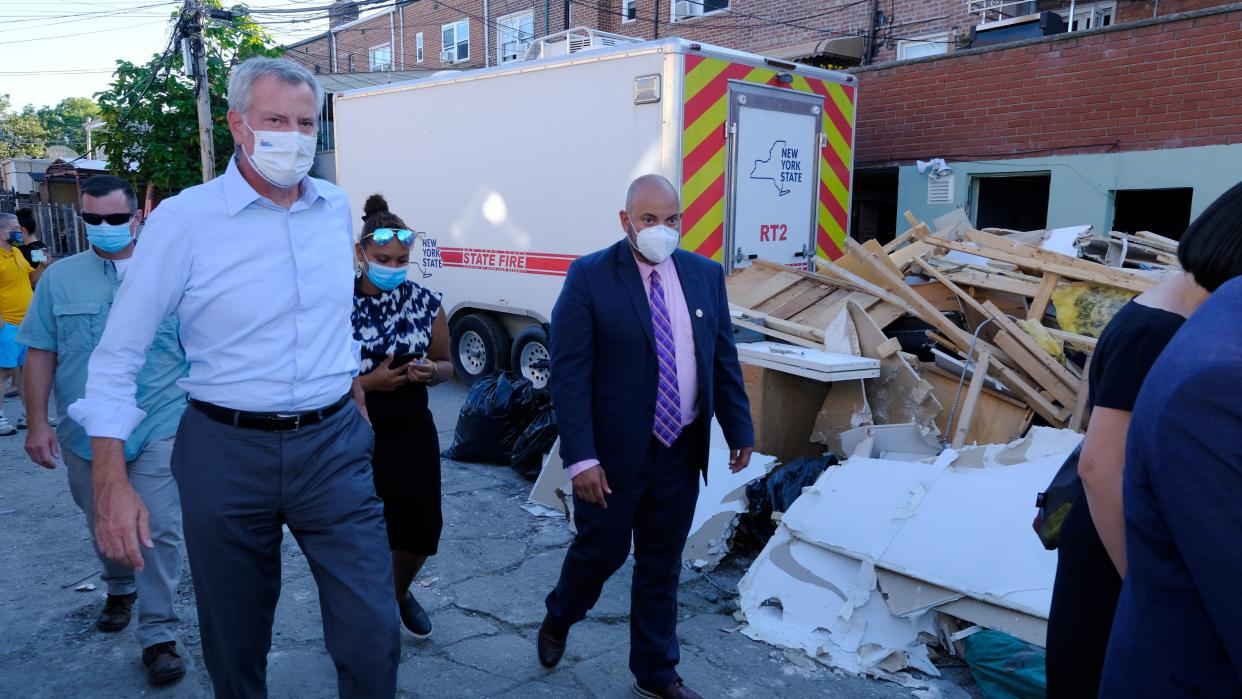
(1018, 385)
(1079, 417)
(752, 286)
(903, 257)
(895, 244)
(967, 417)
(1043, 296)
(1105, 276)
(998, 419)
(802, 301)
(899, 395)
(1038, 403)
(889, 347)
(1156, 240)
(885, 313)
(1082, 342)
(783, 409)
(1033, 347)
(938, 295)
(770, 332)
(896, 286)
(1054, 261)
(993, 281)
(1060, 392)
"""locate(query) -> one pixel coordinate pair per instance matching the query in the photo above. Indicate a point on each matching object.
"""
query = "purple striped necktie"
(668, 397)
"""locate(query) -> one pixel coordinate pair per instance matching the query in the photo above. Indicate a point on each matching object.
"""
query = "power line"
(66, 36)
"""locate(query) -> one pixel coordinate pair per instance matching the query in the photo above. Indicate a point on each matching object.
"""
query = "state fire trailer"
(510, 173)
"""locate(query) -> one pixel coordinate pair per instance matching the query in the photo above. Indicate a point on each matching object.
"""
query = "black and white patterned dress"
(406, 462)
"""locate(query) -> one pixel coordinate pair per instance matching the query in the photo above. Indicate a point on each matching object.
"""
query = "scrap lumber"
(1078, 419)
(1038, 260)
(1044, 295)
(1059, 371)
(967, 417)
(783, 409)
(1082, 342)
(770, 332)
(998, 419)
(994, 280)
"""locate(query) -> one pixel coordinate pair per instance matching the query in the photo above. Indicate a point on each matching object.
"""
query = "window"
(1090, 16)
(418, 47)
(381, 57)
(629, 10)
(513, 35)
(685, 9)
(455, 40)
(933, 45)
(1162, 211)
(1014, 202)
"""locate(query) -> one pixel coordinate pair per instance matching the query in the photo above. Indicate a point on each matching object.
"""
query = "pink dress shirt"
(683, 344)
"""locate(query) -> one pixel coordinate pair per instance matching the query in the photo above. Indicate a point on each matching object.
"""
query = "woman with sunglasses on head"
(405, 349)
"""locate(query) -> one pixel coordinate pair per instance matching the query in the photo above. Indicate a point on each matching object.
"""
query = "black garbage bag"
(497, 411)
(776, 492)
(534, 442)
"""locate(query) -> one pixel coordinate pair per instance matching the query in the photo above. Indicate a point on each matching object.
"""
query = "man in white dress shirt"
(257, 265)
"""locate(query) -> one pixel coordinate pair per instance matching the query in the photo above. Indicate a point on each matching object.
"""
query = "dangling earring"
(357, 272)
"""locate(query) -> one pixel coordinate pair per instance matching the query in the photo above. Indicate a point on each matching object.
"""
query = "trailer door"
(772, 174)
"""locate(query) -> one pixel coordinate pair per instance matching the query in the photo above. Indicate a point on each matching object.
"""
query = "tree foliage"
(151, 112)
(63, 123)
(21, 133)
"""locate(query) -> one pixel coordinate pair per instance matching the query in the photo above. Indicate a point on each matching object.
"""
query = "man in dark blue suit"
(1178, 622)
(642, 357)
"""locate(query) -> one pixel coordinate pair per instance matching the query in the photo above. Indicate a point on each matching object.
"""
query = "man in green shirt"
(64, 324)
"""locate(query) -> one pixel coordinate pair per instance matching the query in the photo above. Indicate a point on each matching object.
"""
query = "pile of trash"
(894, 393)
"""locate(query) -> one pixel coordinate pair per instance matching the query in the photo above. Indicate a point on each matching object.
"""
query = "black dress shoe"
(551, 643)
(414, 617)
(117, 612)
(163, 663)
(674, 690)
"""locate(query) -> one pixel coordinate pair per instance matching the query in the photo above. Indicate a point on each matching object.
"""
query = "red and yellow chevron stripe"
(703, 155)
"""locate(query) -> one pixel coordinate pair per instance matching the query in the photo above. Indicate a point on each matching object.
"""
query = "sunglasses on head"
(383, 236)
(111, 219)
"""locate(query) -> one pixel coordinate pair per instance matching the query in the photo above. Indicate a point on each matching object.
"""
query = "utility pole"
(192, 28)
(873, 9)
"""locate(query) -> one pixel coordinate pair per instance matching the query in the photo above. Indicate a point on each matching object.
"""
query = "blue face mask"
(385, 278)
(15, 237)
(109, 238)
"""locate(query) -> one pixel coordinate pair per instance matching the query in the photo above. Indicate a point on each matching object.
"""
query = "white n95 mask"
(282, 157)
(657, 243)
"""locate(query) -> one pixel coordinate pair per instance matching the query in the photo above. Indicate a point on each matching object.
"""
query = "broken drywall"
(798, 595)
(716, 511)
(946, 532)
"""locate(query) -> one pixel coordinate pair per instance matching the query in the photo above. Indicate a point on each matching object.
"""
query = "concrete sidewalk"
(484, 591)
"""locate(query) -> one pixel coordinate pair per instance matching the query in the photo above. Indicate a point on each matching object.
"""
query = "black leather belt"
(269, 422)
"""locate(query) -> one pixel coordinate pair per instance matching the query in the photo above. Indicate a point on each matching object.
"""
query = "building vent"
(940, 190)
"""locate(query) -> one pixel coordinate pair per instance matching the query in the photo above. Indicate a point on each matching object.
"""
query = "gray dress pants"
(238, 486)
(156, 584)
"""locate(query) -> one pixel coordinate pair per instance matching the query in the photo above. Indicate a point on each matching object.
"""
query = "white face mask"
(282, 157)
(657, 243)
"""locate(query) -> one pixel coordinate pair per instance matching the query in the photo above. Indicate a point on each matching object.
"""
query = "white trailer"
(512, 172)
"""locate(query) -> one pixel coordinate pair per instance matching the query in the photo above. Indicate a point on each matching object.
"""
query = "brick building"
(1134, 125)
(1127, 119)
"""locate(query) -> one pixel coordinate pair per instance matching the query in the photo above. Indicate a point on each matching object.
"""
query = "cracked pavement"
(484, 591)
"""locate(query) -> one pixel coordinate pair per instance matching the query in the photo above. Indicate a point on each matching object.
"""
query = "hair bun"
(376, 204)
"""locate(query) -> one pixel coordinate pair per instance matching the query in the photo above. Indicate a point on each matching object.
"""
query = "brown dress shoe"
(551, 643)
(675, 690)
(163, 663)
(116, 613)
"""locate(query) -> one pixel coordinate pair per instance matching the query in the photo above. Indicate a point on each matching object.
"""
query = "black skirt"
(1084, 599)
(406, 465)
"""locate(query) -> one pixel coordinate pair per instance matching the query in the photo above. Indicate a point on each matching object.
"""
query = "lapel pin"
(698, 312)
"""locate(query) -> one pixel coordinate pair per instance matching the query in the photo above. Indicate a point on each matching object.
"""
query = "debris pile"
(924, 391)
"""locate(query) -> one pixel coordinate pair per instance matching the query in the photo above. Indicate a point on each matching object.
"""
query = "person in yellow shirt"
(16, 289)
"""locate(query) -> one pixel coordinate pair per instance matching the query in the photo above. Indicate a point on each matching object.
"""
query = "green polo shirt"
(67, 316)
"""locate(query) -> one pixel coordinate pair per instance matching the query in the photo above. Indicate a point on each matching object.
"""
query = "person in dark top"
(405, 349)
(1177, 620)
(30, 246)
(1092, 551)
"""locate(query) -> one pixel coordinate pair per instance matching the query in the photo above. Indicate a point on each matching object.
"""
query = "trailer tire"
(478, 346)
(530, 355)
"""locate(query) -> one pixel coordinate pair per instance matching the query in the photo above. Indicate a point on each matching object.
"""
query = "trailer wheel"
(530, 356)
(478, 346)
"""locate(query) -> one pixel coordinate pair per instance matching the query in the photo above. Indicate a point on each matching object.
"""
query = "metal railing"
(59, 226)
